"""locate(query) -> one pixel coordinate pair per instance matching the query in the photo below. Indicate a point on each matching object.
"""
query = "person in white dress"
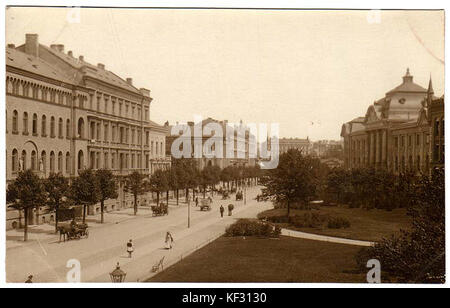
(169, 240)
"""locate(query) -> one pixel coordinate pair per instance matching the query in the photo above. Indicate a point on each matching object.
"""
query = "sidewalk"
(324, 238)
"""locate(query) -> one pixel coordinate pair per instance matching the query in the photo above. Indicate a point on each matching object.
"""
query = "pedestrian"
(221, 211)
(130, 248)
(169, 240)
(196, 201)
(30, 279)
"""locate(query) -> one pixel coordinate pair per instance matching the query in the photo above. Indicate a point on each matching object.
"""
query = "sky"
(309, 71)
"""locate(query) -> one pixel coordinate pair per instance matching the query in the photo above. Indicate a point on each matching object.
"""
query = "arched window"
(60, 162)
(52, 162)
(81, 128)
(33, 160)
(35, 124)
(25, 123)
(44, 161)
(67, 162)
(15, 125)
(24, 160)
(60, 128)
(92, 136)
(44, 126)
(15, 161)
(68, 128)
(80, 160)
(52, 127)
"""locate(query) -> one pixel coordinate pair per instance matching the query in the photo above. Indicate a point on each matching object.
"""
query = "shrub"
(250, 227)
(308, 220)
(338, 223)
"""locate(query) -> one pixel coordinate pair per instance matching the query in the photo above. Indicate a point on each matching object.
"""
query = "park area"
(359, 223)
(262, 259)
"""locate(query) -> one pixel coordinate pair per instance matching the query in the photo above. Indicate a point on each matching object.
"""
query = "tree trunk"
(25, 230)
(56, 218)
(135, 204)
(187, 195)
(288, 208)
(157, 198)
(84, 213)
(102, 208)
(167, 198)
(177, 195)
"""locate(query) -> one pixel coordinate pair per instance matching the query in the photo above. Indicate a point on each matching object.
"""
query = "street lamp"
(117, 275)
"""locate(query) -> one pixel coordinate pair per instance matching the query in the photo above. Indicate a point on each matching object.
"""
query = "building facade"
(207, 144)
(395, 132)
(303, 145)
(64, 115)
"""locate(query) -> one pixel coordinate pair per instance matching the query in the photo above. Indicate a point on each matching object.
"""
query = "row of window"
(35, 163)
(123, 161)
(34, 125)
(114, 107)
(56, 162)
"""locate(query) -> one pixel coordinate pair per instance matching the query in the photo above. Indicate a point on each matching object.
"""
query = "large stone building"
(240, 156)
(395, 132)
(64, 115)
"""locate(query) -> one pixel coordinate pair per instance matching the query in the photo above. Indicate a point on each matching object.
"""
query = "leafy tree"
(159, 183)
(294, 180)
(25, 193)
(136, 185)
(85, 190)
(107, 187)
(417, 255)
(57, 188)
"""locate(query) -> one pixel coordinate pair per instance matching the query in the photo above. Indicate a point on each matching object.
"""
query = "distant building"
(395, 132)
(327, 149)
(303, 145)
(64, 115)
(240, 156)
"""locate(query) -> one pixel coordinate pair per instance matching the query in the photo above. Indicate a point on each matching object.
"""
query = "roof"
(93, 71)
(408, 87)
(23, 61)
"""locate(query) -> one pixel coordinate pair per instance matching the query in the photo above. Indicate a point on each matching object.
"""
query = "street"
(47, 260)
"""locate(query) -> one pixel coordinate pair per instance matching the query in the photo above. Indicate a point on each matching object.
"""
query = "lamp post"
(117, 275)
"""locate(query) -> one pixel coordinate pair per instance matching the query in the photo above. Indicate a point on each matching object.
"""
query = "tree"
(25, 193)
(85, 190)
(159, 183)
(57, 188)
(417, 255)
(135, 184)
(294, 180)
(107, 188)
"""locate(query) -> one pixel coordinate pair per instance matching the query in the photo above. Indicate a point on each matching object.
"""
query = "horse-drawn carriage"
(73, 230)
(205, 204)
(160, 210)
(239, 196)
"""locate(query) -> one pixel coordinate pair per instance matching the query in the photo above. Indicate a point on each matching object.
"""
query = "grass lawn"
(253, 259)
(368, 225)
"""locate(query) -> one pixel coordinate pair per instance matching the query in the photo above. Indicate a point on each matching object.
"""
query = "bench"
(158, 265)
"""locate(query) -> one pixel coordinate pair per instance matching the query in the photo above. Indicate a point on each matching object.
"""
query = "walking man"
(196, 201)
(130, 248)
(221, 211)
(30, 279)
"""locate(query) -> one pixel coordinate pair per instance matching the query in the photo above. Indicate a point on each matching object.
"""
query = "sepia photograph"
(227, 145)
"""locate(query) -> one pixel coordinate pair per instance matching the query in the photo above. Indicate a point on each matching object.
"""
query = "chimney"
(60, 47)
(81, 58)
(70, 53)
(11, 46)
(101, 65)
(130, 81)
(54, 46)
(32, 44)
